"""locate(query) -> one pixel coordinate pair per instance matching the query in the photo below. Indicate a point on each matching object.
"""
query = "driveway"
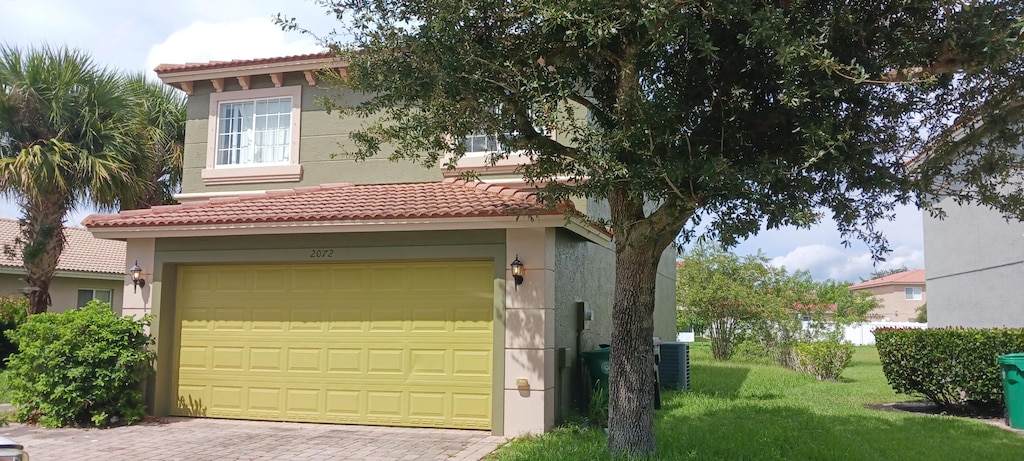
(195, 439)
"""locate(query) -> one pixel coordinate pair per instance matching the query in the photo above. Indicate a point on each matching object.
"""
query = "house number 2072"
(319, 254)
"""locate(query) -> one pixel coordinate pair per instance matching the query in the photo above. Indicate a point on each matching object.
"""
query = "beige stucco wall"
(64, 290)
(322, 136)
(895, 307)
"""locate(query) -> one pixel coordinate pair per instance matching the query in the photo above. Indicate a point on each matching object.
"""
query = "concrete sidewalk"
(195, 439)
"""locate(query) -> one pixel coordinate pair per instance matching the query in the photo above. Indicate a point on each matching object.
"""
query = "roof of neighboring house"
(914, 277)
(82, 252)
(193, 66)
(451, 198)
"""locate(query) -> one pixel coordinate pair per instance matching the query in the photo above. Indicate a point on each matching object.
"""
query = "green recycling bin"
(1012, 368)
(598, 364)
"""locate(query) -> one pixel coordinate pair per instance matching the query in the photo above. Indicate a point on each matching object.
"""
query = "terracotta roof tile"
(452, 198)
(82, 251)
(914, 277)
(192, 66)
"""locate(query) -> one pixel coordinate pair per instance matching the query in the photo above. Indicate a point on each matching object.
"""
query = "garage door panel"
(391, 343)
(227, 358)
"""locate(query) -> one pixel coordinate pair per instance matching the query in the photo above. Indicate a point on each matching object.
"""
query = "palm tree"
(66, 142)
(158, 112)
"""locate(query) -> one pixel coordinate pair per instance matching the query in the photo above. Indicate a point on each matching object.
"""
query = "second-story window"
(912, 293)
(254, 132)
(480, 144)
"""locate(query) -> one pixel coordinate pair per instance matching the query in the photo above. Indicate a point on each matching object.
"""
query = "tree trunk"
(42, 236)
(639, 243)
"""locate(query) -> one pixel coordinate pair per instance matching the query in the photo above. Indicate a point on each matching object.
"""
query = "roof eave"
(575, 224)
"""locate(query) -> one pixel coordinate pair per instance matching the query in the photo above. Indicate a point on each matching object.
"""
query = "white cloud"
(845, 265)
(249, 38)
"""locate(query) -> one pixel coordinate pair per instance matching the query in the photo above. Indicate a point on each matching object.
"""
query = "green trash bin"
(1012, 371)
(598, 364)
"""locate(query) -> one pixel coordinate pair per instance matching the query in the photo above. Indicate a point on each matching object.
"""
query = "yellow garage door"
(402, 344)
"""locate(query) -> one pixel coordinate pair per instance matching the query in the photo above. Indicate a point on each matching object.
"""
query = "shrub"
(82, 367)
(952, 367)
(13, 312)
(824, 359)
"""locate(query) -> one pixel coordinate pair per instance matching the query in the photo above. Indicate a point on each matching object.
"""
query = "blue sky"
(139, 35)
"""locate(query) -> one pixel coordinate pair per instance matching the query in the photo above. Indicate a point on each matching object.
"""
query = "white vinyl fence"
(860, 334)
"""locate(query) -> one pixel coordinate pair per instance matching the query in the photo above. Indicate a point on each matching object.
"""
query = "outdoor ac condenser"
(674, 367)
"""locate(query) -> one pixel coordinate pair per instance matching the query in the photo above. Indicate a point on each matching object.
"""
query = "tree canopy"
(738, 114)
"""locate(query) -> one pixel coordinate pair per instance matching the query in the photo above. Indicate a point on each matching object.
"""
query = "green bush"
(13, 313)
(82, 367)
(824, 359)
(952, 367)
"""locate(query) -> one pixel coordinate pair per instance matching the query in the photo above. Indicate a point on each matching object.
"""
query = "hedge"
(949, 366)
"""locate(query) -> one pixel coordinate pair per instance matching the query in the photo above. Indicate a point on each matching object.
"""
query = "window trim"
(94, 290)
(245, 174)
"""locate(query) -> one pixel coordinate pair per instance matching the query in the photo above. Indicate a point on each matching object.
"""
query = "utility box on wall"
(674, 367)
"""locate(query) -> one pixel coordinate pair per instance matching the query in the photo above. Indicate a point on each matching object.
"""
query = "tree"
(741, 115)
(158, 114)
(879, 273)
(67, 142)
(922, 313)
(725, 292)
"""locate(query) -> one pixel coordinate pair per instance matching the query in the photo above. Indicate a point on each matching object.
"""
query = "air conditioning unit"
(674, 366)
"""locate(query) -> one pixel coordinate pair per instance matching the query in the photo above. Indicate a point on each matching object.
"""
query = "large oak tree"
(738, 114)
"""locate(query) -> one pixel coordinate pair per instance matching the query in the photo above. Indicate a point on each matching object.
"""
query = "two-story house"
(293, 284)
(899, 295)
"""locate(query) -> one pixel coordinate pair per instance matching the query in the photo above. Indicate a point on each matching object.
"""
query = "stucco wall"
(64, 290)
(322, 136)
(974, 261)
(895, 306)
(585, 272)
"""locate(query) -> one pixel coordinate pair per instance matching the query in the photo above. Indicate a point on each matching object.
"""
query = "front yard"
(743, 411)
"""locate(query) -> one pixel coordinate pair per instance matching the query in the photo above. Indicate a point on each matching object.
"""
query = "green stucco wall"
(323, 139)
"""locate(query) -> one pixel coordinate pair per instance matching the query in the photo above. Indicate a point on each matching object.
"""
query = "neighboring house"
(975, 263)
(89, 268)
(900, 295)
(293, 285)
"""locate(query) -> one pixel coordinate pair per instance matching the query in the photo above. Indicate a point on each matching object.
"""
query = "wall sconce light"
(517, 271)
(522, 382)
(136, 273)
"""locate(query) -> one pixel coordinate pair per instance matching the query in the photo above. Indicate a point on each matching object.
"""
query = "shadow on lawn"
(727, 379)
(762, 432)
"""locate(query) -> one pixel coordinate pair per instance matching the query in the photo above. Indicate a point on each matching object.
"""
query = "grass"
(749, 411)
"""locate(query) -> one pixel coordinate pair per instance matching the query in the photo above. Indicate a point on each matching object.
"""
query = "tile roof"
(82, 251)
(451, 198)
(914, 277)
(192, 66)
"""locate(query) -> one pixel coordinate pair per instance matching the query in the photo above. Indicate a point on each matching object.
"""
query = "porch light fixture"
(136, 273)
(517, 271)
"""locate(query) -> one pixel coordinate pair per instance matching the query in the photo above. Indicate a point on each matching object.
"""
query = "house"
(292, 284)
(975, 263)
(900, 295)
(89, 268)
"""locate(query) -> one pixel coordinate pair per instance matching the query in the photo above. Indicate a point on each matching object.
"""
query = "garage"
(396, 343)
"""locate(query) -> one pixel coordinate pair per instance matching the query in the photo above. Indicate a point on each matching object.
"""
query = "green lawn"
(744, 411)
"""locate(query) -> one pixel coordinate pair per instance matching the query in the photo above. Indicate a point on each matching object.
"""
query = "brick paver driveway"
(195, 439)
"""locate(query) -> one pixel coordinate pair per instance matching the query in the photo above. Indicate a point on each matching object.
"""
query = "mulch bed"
(927, 408)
